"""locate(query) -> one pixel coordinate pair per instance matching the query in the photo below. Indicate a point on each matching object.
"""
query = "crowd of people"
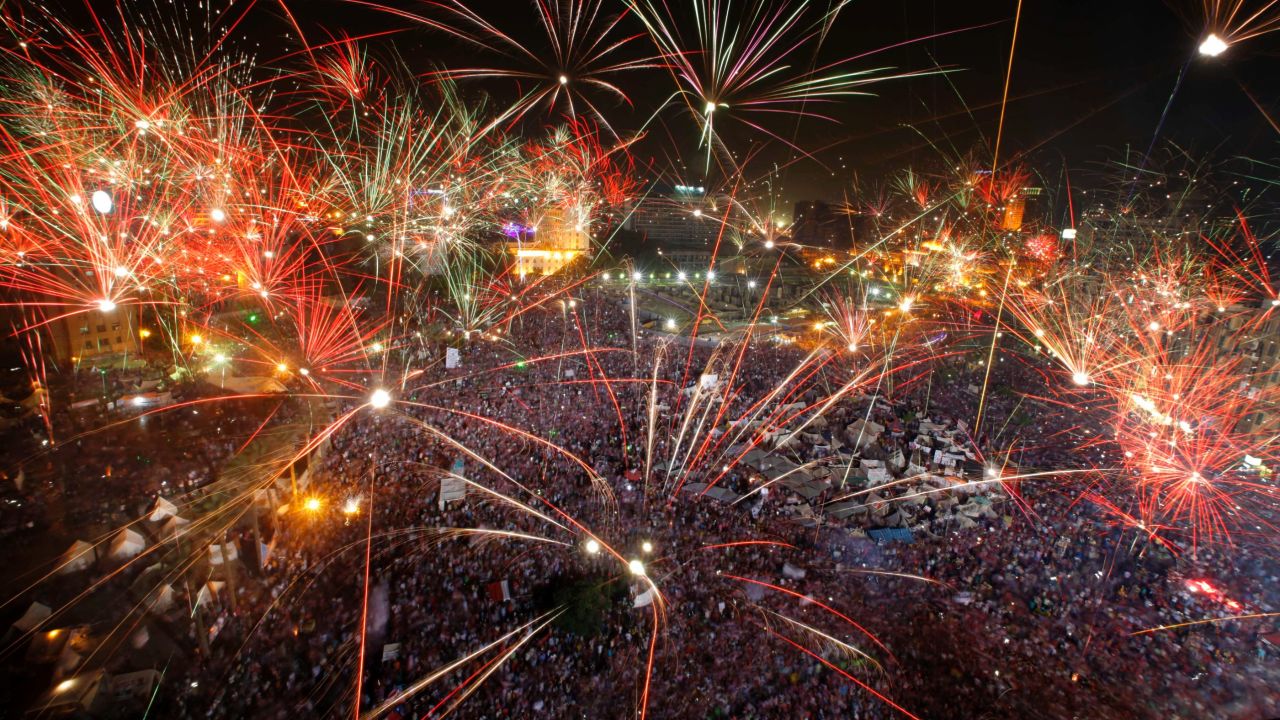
(570, 429)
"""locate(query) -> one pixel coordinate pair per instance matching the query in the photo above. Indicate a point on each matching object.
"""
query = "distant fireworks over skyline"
(325, 221)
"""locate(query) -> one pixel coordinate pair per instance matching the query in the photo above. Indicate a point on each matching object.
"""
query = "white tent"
(162, 509)
(161, 599)
(126, 544)
(79, 556)
(32, 618)
(219, 552)
(209, 591)
(173, 527)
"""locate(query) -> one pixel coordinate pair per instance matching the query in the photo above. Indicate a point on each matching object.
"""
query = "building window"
(115, 327)
(102, 328)
(84, 329)
(119, 339)
(88, 344)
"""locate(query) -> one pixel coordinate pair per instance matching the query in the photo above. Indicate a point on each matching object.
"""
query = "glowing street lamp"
(101, 201)
(1213, 46)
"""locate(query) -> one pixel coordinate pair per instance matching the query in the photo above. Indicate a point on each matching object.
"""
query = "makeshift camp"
(160, 600)
(209, 591)
(31, 619)
(883, 535)
(74, 697)
(793, 572)
(220, 553)
(80, 556)
(172, 527)
(722, 494)
(126, 544)
(161, 509)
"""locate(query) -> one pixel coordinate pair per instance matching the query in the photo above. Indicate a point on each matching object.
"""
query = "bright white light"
(121, 271)
(351, 506)
(593, 547)
(671, 324)
(217, 215)
(646, 546)
(1153, 326)
(304, 372)
(379, 399)
(219, 358)
(710, 107)
(564, 80)
(711, 275)
(1213, 46)
(751, 284)
(101, 201)
(768, 244)
(638, 276)
(143, 125)
(606, 276)
(106, 305)
(1275, 302)
(1080, 378)
(637, 567)
(905, 305)
(139, 400)
(681, 276)
(1069, 234)
(853, 347)
(697, 212)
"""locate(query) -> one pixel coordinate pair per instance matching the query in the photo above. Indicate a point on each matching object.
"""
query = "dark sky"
(1090, 78)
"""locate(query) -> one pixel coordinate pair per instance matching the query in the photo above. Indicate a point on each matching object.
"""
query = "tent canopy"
(126, 544)
(79, 556)
(32, 618)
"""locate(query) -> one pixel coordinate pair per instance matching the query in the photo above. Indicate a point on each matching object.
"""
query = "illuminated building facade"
(546, 249)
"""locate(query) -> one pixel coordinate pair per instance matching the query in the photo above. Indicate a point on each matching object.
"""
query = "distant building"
(684, 217)
(1026, 208)
(553, 244)
(94, 333)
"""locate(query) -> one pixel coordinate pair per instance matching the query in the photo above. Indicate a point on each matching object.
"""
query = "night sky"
(1090, 81)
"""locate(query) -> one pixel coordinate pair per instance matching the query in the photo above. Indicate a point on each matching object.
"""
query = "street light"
(1213, 46)
(101, 201)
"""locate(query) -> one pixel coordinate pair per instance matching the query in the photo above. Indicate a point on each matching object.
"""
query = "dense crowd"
(1032, 611)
